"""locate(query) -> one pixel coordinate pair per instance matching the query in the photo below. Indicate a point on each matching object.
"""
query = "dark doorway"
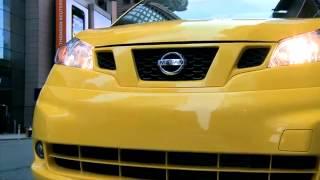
(5, 103)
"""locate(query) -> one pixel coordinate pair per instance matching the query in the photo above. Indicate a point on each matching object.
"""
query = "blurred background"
(30, 33)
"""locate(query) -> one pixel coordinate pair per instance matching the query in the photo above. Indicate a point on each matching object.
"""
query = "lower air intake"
(146, 164)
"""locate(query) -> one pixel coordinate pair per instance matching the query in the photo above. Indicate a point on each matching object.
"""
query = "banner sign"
(61, 22)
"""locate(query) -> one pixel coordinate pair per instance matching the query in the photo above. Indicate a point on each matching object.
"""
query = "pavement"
(15, 157)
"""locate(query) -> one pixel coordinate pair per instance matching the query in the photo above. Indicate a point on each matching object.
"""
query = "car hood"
(270, 30)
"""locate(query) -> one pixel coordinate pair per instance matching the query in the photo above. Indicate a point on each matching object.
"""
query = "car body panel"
(268, 30)
(254, 110)
(201, 122)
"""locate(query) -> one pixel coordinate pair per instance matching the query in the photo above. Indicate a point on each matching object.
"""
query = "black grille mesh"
(143, 164)
(106, 60)
(198, 62)
(253, 57)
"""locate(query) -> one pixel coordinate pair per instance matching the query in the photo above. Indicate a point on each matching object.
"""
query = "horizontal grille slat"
(197, 63)
(148, 164)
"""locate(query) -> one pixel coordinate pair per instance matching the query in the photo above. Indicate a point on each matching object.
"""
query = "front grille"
(253, 57)
(145, 164)
(198, 62)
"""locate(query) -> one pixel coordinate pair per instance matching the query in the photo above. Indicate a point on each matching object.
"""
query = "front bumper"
(41, 171)
(270, 122)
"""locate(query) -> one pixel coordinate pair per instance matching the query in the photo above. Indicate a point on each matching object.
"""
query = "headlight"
(299, 49)
(75, 53)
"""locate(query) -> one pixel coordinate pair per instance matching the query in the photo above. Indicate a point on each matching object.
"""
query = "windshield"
(166, 10)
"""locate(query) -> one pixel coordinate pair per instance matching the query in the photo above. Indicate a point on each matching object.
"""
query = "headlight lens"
(299, 49)
(75, 53)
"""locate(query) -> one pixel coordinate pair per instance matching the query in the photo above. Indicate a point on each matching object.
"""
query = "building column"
(39, 50)
(114, 9)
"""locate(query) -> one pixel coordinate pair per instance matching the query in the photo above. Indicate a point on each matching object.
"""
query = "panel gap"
(218, 166)
(166, 162)
(270, 168)
(80, 159)
(119, 161)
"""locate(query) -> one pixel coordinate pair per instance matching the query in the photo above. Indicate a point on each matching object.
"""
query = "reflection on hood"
(173, 5)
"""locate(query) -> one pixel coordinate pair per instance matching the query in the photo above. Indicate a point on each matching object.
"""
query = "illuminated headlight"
(299, 49)
(75, 53)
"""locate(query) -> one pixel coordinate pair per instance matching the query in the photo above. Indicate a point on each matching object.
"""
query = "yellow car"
(186, 89)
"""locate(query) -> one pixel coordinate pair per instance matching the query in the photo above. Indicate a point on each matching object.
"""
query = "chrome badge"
(171, 63)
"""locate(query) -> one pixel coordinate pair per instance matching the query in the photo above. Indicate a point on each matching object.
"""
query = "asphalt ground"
(15, 159)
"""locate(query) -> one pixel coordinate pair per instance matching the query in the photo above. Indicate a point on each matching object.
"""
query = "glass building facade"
(27, 49)
(12, 64)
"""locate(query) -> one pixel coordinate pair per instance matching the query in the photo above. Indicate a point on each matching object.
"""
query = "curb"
(14, 139)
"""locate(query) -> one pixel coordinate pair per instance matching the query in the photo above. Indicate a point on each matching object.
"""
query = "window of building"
(126, 1)
(1, 30)
(102, 4)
